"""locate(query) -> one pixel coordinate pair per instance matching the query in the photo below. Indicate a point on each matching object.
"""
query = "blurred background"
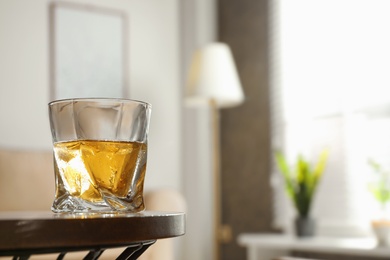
(314, 76)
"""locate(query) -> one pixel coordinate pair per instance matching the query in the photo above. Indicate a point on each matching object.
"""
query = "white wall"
(154, 74)
(198, 29)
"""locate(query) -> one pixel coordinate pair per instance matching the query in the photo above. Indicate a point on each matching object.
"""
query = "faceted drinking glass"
(100, 154)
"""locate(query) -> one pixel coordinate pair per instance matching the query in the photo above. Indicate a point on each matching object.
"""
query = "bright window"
(331, 89)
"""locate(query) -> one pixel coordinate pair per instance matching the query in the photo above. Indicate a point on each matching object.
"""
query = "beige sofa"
(27, 184)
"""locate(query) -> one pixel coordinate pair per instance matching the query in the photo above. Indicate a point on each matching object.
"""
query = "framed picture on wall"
(88, 52)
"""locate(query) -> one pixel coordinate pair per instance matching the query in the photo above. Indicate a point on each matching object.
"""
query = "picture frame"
(88, 51)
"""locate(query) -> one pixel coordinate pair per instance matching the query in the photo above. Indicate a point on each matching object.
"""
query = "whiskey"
(91, 170)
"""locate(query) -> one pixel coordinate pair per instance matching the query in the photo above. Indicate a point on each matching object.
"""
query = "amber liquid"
(88, 169)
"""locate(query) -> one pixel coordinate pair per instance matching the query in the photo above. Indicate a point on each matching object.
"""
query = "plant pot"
(381, 230)
(304, 226)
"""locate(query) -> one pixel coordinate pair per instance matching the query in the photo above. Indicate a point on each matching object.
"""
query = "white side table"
(270, 246)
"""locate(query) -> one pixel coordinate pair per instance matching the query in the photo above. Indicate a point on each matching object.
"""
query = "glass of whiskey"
(100, 154)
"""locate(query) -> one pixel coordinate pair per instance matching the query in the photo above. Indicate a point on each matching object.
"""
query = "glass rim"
(96, 99)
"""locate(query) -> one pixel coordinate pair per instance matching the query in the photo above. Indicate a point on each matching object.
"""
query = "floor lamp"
(213, 80)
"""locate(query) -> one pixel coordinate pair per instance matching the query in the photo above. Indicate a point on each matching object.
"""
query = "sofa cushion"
(26, 180)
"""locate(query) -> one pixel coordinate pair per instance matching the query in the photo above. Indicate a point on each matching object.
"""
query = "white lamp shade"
(213, 75)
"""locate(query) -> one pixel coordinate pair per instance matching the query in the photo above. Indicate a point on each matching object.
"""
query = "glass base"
(68, 203)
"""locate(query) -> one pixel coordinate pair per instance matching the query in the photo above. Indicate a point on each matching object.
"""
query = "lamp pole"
(222, 233)
(216, 175)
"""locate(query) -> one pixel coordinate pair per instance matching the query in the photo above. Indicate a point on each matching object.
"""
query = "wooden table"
(23, 234)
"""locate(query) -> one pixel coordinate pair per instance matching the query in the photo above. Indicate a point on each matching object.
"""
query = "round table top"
(47, 230)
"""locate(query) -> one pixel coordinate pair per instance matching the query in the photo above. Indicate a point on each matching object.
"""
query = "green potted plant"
(301, 183)
(379, 187)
